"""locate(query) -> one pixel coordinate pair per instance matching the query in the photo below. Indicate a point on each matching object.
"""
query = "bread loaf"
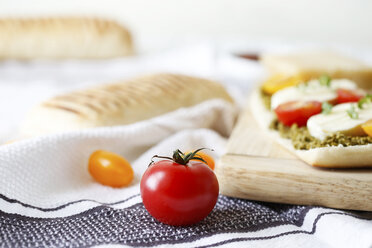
(61, 38)
(121, 103)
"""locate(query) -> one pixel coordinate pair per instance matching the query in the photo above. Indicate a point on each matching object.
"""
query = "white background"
(321, 21)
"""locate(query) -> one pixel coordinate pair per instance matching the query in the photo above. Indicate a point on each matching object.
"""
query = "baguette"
(327, 157)
(62, 38)
(121, 103)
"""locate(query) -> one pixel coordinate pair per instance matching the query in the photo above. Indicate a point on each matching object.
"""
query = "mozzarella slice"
(322, 125)
(312, 91)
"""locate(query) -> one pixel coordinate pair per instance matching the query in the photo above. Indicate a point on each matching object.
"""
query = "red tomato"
(344, 95)
(297, 112)
(179, 194)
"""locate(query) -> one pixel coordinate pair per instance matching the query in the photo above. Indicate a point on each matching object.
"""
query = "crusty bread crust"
(327, 157)
(120, 103)
(61, 38)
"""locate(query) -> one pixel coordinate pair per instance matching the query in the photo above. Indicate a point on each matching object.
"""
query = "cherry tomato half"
(297, 112)
(110, 169)
(178, 194)
(344, 95)
(207, 158)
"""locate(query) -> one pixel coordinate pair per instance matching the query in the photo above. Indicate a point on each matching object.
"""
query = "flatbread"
(313, 64)
(328, 157)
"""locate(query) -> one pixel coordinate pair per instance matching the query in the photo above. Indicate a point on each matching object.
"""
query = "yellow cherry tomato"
(367, 128)
(110, 169)
(279, 82)
(207, 158)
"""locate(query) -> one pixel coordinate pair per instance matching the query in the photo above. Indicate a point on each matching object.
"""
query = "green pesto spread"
(266, 98)
(302, 139)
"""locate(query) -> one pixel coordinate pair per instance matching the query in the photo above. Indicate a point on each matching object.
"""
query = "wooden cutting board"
(255, 167)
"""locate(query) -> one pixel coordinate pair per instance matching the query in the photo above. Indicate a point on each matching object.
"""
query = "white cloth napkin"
(47, 194)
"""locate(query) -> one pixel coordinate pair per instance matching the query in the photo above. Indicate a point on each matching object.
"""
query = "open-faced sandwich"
(324, 121)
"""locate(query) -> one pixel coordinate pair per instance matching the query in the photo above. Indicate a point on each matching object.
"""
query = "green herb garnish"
(365, 100)
(326, 108)
(352, 112)
(325, 80)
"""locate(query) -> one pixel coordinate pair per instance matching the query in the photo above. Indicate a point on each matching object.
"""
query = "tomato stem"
(181, 158)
